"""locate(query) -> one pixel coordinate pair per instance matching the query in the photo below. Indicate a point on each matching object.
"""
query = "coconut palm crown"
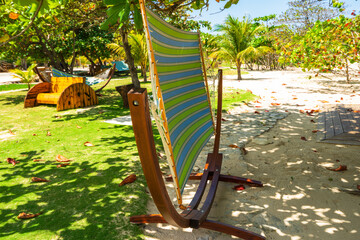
(236, 42)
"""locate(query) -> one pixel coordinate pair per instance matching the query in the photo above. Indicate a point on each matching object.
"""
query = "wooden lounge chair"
(177, 70)
(65, 92)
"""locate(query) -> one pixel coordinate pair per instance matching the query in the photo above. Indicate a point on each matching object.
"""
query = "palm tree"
(25, 77)
(236, 41)
(138, 51)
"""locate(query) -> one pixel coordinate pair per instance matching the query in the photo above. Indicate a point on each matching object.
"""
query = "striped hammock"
(182, 99)
(89, 80)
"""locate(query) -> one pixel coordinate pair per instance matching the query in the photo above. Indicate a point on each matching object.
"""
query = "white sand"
(301, 199)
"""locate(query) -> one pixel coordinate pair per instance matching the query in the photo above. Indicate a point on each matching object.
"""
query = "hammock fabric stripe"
(89, 80)
(189, 121)
(176, 59)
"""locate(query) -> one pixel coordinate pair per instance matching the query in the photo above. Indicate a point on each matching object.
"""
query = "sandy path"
(301, 199)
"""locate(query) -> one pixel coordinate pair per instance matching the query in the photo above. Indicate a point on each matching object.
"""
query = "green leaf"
(34, 39)
(137, 18)
(44, 6)
(113, 13)
(198, 3)
(11, 28)
(124, 14)
(114, 10)
(111, 2)
(228, 4)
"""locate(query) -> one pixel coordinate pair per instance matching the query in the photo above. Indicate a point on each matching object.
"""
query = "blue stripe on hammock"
(183, 90)
(190, 144)
(155, 33)
(176, 132)
(178, 108)
(167, 77)
(176, 59)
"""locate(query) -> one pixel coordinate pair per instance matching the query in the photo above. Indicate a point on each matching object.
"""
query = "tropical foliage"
(236, 43)
(330, 46)
(25, 76)
(59, 33)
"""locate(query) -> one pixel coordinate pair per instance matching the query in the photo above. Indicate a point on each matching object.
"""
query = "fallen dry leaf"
(341, 98)
(303, 138)
(339, 169)
(275, 104)
(239, 187)
(78, 126)
(88, 144)
(273, 92)
(11, 132)
(48, 133)
(315, 151)
(256, 112)
(323, 101)
(24, 215)
(223, 119)
(283, 84)
(37, 179)
(34, 134)
(12, 161)
(62, 165)
(337, 101)
(315, 131)
(129, 179)
(233, 146)
(61, 158)
(295, 98)
(312, 120)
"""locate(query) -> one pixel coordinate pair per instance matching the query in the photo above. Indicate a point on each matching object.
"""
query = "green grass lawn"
(82, 200)
(231, 96)
(14, 86)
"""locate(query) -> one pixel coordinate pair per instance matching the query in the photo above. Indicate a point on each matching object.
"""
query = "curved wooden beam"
(30, 99)
(75, 96)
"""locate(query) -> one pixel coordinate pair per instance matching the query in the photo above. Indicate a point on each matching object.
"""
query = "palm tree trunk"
(129, 59)
(143, 72)
(238, 68)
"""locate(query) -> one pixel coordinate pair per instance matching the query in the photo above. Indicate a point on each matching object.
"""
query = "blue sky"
(255, 8)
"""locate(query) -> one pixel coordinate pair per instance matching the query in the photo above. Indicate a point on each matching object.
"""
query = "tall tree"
(236, 41)
(59, 32)
(302, 14)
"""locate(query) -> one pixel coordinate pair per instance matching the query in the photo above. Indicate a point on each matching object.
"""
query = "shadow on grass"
(81, 201)
(12, 100)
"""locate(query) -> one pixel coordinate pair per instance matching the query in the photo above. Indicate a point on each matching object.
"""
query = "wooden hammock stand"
(193, 216)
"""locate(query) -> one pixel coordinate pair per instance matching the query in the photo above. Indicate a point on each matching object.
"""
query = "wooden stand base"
(208, 224)
(224, 178)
